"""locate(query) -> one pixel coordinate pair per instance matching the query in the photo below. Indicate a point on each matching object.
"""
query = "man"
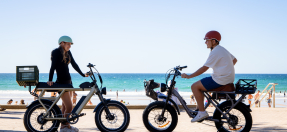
(257, 97)
(250, 97)
(222, 62)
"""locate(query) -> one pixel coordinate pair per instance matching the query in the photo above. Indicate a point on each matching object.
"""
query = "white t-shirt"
(221, 61)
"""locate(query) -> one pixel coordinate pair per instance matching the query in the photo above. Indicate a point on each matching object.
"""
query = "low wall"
(89, 106)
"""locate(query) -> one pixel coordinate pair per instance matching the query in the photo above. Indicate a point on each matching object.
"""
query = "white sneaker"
(200, 116)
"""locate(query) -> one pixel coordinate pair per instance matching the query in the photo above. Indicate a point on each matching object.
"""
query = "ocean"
(134, 81)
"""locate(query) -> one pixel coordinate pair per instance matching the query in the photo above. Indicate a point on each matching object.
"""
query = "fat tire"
(160, 104)
(227, 105)
(55, 110)
(119, 105)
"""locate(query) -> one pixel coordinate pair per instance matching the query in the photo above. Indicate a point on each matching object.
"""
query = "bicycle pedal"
(82, 114)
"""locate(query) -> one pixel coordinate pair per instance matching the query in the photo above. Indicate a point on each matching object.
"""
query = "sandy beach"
(264, 120)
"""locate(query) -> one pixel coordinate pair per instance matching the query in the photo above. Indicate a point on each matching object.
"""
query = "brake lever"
(90, 65)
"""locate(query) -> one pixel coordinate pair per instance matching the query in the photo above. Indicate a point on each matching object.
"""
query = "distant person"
(90, 102)
(124, 90)
(53, 94)
(74, 98)
(250, 97)
(10, 101)
(284, 94)
(22, 102)
(38, 94)
(192, 99)
(16, 102)
(269, 101)
(122, 101)
(256, 97)
(2, 109)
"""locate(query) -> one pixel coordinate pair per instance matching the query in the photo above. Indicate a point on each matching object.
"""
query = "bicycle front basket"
(247, 86)
(149, 86)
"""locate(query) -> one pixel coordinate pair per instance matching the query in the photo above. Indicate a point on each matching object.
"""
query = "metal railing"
(272, 87)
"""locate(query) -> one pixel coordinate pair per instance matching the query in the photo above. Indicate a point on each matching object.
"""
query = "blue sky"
(143, 36)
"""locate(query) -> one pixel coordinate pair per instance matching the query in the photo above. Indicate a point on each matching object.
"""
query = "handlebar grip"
(90, 65)
(183, 67)
(89, 73)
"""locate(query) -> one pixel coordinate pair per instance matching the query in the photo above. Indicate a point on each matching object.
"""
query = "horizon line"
(157, 73)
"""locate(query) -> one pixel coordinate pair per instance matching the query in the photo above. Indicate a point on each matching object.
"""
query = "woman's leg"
(197, 89)
(66, 98)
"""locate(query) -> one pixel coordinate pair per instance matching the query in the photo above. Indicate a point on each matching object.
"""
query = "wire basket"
(27, 75)
(246, 86)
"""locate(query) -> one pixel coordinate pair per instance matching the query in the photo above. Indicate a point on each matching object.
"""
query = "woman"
(222, 62)
(10, 101)
(22, 102)
(61, 58)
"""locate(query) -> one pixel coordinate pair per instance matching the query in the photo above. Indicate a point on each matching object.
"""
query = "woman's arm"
(54, 57)
(75, 65)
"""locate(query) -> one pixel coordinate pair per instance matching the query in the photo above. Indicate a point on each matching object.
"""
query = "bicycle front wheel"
(117, 121)
(153, 120)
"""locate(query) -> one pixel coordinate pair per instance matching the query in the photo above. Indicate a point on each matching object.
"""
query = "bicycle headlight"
(162, 87)
(104, 91)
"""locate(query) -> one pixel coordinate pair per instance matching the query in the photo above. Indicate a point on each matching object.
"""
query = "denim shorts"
(209, 83)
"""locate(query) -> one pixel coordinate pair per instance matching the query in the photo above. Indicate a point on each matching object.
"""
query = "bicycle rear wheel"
(120, 117)
(240, 120)
(34, 122)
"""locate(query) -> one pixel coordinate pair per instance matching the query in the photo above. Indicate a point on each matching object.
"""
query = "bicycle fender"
(100, 104)
(37, 101)
(240, 104)
(174, 104)
(246, 107)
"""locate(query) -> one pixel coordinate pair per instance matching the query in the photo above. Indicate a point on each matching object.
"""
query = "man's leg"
(197, 89)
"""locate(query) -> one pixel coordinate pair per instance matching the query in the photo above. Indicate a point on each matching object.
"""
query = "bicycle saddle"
(55, 85)
(228, 88)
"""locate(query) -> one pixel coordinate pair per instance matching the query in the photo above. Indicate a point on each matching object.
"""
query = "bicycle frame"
(171, 91)
(63, 90)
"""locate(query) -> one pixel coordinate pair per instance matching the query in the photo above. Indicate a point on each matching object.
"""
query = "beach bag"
(149, 86)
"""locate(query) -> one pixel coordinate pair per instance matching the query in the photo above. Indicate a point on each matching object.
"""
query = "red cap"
(213, 35)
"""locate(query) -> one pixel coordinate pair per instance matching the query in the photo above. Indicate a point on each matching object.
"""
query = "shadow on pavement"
(10, 118)
(10, 131)
(11, 112)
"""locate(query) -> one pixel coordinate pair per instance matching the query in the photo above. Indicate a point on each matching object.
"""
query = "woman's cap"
(65, 39)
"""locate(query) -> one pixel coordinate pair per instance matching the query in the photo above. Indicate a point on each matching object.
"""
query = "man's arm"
(234, 61)
(198, 72)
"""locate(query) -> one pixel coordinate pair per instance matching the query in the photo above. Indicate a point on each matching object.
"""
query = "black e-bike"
(44, 115)
(230, 115)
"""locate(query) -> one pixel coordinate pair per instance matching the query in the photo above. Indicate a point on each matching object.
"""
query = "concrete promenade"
(264, 120)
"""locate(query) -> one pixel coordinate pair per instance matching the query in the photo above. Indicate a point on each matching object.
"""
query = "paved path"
(264, 120)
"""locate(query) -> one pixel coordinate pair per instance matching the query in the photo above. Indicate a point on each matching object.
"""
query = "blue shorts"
(209, 83)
